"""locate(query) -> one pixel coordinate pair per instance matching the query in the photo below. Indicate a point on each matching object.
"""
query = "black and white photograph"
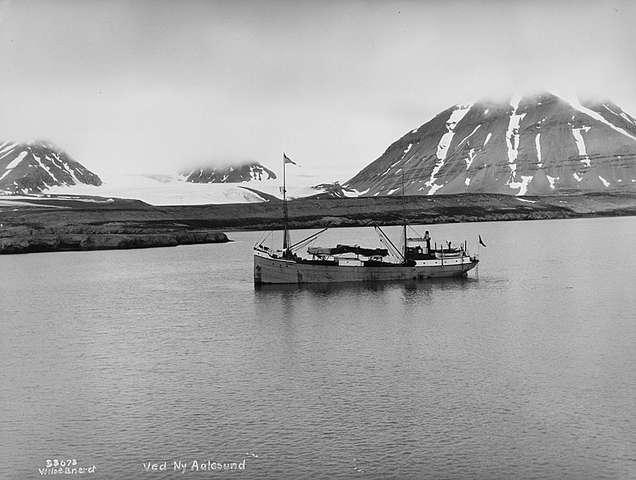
(339, 239)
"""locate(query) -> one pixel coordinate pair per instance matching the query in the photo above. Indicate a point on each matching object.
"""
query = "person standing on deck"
(427, 239)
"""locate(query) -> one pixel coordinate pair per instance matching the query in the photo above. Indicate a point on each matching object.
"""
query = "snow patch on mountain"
(456, 116)
(580, 144)
(451, 124)
(620, 113)
(469, 159)
(17, 161)
(522, 185)
(597, 116)
(512, 133)
(463, 140)
(5, 148)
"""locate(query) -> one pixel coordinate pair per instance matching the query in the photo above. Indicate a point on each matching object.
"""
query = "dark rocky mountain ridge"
(245, 172)
(332, 190)
(34, 167)
(533, 145)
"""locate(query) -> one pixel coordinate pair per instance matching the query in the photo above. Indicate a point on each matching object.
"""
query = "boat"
(413, 259)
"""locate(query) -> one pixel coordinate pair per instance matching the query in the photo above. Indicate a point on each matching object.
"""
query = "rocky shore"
(55, 223)
(26, 239)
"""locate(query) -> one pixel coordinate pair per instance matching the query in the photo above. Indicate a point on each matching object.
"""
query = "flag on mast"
(286, 160)
(481, 242)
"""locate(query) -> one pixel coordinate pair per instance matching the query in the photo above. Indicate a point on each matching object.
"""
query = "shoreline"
(457, 219)
(49, 224)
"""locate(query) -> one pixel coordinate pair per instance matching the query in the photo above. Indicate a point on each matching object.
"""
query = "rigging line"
(396, 250)
(415, 231)
(391, 249)
(265, 238)
(297, 245)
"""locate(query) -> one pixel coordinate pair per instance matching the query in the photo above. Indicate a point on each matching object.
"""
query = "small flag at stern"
(481, 242)
(286, 159)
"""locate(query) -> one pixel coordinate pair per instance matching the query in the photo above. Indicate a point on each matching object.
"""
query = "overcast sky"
(150, 86)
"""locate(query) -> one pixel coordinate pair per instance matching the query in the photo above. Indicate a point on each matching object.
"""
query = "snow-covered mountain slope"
(532, 145)
(34, 167)
(246, 172)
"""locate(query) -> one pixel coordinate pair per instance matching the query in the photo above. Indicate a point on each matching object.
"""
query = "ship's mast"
(403, 220)
(285, 214)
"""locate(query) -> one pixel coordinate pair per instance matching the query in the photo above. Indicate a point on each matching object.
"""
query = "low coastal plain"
(47, 223)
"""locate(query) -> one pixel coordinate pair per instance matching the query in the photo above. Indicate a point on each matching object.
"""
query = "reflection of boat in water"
(414, 259)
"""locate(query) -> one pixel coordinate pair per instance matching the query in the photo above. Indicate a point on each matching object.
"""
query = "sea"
(168, 363)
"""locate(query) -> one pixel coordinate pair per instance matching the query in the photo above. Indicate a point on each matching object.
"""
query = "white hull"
(278, 270)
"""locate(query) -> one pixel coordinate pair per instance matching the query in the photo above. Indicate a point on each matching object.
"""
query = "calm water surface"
(526, 370)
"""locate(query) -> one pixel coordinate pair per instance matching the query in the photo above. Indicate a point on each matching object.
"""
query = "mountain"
(34, 167)
(245, 172)
(532, 145)
(332, 190)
